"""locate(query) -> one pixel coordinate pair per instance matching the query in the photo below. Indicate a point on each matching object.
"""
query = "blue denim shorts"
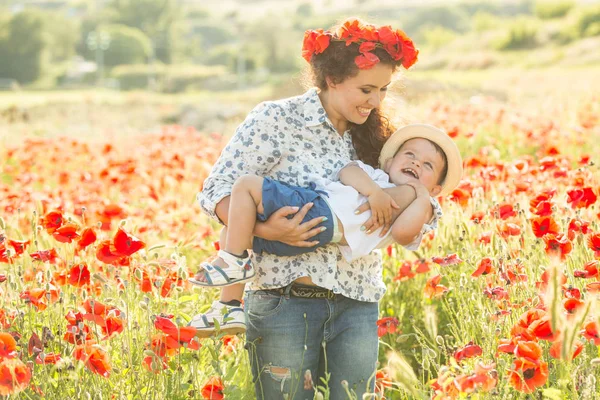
(276, 194)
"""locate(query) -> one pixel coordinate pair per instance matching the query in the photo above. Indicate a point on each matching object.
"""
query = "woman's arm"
(250, 151)
(254, 149)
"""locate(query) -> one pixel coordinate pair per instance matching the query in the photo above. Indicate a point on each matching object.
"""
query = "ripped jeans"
(293, 341)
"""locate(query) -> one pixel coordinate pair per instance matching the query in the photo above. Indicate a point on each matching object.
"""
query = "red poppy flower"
(382, 381)
(543, 226)
(460, 196)
(35, 344)
(593, 243)
(14, 376)
(19, 246)
(526, 376)
(405, 272)
(433, 289)
(155, 364)
(52, 221)
(485, 238)
(591, 331)
(108, 255)
(558, 246)
(366, 60)
(556, 350)
(545, 196)
(315, 42)
(581, 198)
(542, 329)
(351, 31)
(468, 351)
(94, 357)
(477, 216)
(40, 298)
(571, 305)
(577, 225)
(49, 358)
(387, 325)
(590, 270)
(2, 278)
(126, 244)
(507, 229)
(504, 211)
(213, 389)
(593, 287)
(450, 259)
(88, 236)
(422, 266)
(4, 257)
(484, 378)
(572, 292)
(45, 255)
(182, 334)
(79, 275)
(485, 267)
(8, 345)
(496, 293)
(66, 233)
(543, 209)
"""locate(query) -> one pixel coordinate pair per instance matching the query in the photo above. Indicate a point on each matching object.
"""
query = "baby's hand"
(382, 208)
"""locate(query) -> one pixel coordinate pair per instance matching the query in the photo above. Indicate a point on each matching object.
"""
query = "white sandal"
(231, 321)
(238, 270)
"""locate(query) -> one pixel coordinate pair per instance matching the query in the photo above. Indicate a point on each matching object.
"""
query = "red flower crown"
(398, 45)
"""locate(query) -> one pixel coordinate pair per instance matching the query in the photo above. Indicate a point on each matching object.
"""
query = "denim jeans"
(293, 341)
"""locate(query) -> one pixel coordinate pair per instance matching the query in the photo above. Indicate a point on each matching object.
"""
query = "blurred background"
(97, 67)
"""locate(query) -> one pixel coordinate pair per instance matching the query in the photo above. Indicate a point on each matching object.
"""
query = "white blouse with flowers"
(292, 140)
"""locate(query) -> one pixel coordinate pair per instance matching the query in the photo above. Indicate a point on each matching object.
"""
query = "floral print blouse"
(292, 140)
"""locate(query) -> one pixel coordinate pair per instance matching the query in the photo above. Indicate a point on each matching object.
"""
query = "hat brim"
(429, 132)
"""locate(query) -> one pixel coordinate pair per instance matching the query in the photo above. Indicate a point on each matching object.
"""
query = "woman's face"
(354, 98)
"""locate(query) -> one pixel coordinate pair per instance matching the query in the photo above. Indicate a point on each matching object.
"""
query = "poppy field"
(98, 237)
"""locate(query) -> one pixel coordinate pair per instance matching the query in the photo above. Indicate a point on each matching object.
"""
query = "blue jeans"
(288, 336)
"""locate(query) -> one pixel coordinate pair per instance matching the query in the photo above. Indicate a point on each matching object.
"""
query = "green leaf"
(552, 393)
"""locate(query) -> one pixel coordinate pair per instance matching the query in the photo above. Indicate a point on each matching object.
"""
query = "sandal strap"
(210, 267)
(232, 260)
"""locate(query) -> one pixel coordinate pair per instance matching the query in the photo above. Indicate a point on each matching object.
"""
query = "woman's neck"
(339, 122)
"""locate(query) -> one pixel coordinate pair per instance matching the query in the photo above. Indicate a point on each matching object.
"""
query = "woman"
(314, 313)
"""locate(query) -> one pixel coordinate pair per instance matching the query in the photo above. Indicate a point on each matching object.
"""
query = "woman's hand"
(291, 231)
(382, 208)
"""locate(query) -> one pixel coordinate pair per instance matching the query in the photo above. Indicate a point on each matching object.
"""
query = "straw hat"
(455, 169)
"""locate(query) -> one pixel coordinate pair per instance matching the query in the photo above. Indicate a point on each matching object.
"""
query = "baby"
(417, 155)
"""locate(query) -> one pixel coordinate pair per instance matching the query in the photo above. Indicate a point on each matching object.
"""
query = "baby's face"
(417, 160)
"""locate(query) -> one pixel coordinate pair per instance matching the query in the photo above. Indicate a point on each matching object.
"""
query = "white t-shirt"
(344, 199)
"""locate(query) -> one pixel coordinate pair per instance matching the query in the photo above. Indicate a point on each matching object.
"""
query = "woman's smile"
(364, 111)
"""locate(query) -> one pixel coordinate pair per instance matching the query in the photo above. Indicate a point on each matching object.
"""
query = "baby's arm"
(382, 205)
(409, 223)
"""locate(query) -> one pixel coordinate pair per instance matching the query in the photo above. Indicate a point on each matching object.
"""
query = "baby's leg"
(245, 203)
(233, 292)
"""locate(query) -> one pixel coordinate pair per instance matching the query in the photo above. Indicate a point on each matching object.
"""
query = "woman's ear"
(330, 82)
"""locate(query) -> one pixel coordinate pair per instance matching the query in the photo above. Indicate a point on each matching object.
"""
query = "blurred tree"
(548, 9)
(304, 10)
(127, 45)
(63, 36)
(275, 45)
(23, 44)
(449, 17)
(158, 19)
(438, 36)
